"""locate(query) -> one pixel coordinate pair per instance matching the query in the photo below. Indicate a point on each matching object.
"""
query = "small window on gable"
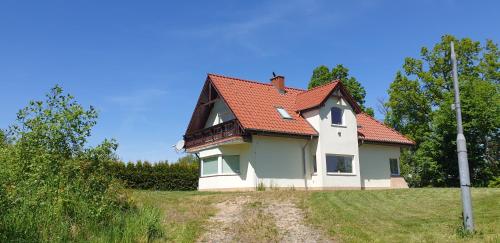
(337, 114)
(283, 113)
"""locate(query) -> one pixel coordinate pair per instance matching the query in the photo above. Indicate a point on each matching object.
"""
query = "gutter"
(304, 167)
(199, 169)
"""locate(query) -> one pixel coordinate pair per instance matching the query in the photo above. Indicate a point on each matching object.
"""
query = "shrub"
(53, 187)
(495, 182)
(180, 176)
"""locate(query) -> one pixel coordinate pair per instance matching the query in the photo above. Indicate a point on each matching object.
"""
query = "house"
(248, 133)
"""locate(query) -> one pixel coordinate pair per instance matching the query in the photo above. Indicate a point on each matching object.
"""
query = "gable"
(255, 106)
(219, 113)
(208, 98)
(317, 96)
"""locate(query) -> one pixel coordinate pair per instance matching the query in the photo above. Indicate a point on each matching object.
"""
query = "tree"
(188, 159)
(51, 182)
(420, 103)
(3, 139)
(408, 108)
(322, 75)
(382, 107)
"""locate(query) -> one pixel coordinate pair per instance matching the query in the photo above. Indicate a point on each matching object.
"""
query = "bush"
(180, 176)
(495, 182)
(52, 187)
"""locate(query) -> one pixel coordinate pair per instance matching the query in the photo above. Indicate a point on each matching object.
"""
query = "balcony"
(213, 134)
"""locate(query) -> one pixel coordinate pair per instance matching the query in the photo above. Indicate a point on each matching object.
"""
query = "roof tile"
(314, 96)
(370, 129)
(254, 104)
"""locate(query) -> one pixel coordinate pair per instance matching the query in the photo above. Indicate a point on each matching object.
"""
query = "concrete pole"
(463, 163)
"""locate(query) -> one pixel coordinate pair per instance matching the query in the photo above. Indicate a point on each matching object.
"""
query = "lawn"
(184, 213)
(416, 215)
(413, 215)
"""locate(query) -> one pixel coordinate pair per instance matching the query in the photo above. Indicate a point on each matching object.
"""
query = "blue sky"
(142, 63)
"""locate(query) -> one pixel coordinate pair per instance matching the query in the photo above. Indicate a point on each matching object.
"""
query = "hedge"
(158, 176)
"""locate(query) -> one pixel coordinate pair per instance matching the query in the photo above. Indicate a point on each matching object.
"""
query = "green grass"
(183, 214)
(140, 226)
(406, 215)
(415, 215)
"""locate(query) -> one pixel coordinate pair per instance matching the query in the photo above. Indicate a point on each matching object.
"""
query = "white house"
(249, 133)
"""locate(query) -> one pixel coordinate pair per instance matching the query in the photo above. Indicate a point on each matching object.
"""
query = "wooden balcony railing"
(212, 134)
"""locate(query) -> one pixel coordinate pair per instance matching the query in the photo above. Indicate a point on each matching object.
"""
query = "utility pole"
(463, 163)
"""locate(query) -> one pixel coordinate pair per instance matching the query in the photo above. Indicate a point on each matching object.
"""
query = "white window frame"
(341, 173)
(219, 166)
(397, 163)
(203, 162)
(283, 113)
(342, 118)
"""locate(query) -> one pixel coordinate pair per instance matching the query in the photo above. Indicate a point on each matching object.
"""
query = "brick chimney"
(279, 83)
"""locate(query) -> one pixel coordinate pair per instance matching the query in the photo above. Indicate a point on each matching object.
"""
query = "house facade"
(248, 134)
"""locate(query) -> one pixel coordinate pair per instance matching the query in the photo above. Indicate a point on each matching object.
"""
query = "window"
(283, 113)
(210, 166)
(231, 164)
(220, 165)
(394, 167)
(337, 114)
(338, 164)
(315, 165)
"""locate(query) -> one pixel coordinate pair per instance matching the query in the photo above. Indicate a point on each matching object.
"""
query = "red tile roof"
(254, 105)
(370, 129)
(314, 97)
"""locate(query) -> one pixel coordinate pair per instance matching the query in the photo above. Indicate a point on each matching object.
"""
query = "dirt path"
(220, 226)
(290, 223)
(259, 219)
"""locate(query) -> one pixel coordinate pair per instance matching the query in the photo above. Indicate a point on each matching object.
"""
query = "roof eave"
(280, 133)
(384, 142)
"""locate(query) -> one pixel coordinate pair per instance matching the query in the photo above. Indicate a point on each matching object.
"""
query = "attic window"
(284, 114)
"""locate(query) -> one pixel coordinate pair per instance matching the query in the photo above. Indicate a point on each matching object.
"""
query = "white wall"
(375, 167)
(220, 113)
(313, 118)
(246, 178)
(278, 161)
(274, 161)
(340, 140)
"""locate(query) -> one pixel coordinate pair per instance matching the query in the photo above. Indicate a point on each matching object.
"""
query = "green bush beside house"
(180, 176)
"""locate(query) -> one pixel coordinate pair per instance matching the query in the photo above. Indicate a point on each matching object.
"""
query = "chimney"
(279, 83)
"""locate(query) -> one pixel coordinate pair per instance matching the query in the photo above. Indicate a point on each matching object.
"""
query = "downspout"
(199, 169)
(304, 167)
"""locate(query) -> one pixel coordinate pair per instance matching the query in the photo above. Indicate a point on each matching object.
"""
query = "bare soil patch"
(290, 222)
(260, 217)
(220, 227)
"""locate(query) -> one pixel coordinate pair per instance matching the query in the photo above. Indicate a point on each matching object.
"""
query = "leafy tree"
(420, 107)
(408, 108)
(51, 182)
(322, 75)
(3, 138)
(188, 159)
